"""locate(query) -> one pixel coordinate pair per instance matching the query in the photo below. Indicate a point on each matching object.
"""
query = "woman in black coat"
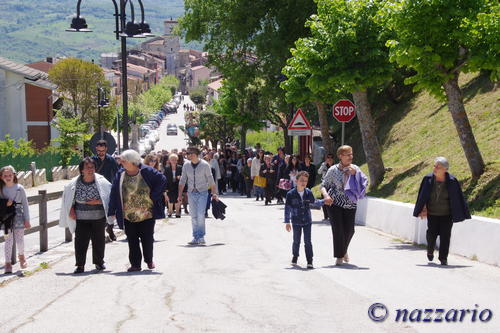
(173, 173)
(267, 171)
(311, 170)
(441, 200)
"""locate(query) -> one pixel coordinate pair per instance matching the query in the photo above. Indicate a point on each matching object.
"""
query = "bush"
(17, 147)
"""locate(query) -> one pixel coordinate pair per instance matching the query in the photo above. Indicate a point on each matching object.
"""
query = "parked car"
(155, 134)
(171, 129)
(144, 130)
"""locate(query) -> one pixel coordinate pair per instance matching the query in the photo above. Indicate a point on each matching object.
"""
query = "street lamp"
(102, 101)
(122, 31)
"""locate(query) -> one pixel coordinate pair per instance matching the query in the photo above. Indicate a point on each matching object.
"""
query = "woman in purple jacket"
(344, 183)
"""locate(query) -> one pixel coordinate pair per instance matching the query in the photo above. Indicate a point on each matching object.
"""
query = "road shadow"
(202, 246)
(144, 273)
(404, 247)
(348, 266)
(321, 222)
(297, 268)
(86, 273)
(434, 265)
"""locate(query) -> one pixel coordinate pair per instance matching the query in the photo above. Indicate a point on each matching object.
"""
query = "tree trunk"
(288, 142)
(467, 140)
(369, 137)
(325, 128)
(243, 137)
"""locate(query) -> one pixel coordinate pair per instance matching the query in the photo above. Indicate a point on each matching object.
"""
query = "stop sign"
(344, 110)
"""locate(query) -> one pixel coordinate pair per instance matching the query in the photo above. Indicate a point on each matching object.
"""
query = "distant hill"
(31, 30)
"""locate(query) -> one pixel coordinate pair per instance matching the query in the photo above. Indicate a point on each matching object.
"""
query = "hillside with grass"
(31, 30)
(416, 131)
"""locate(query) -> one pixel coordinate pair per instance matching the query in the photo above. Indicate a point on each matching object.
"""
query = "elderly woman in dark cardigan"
(137, 200)
(441, 200)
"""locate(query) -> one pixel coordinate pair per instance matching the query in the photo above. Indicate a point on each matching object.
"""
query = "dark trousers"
(140, 233)
(248, 187)
(439, 226)
(85, 231)
(222, 185)
(297, 233)
(342, 222)
(325, 212)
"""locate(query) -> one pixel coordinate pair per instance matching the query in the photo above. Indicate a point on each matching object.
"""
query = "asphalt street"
(242, 281)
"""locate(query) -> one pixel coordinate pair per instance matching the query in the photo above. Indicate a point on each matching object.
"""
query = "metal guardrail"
(41, 200)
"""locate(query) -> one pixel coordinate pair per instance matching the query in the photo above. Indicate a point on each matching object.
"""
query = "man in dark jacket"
(441, 200)
(105, 164)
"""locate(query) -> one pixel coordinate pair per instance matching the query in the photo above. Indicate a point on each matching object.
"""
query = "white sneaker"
(201, 241)
(346, 258)
(339, 261)
(193, 242)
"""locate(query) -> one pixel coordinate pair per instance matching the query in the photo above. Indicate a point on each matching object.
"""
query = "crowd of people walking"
(134, 191)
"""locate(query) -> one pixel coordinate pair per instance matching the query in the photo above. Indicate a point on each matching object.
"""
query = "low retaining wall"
(58, 173)
(39, 177)
(72, 171)
(477, 238)
(25, 178)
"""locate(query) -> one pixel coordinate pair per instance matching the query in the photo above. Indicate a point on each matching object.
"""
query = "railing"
(41, 199)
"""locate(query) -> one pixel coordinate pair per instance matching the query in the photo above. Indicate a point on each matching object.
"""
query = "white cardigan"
(255, 168)
(104, 188)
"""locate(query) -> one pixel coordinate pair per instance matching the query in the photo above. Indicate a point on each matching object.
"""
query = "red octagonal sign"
(344, 110)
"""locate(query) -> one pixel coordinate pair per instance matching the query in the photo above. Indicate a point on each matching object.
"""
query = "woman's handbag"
(259, 181)
(285, 184)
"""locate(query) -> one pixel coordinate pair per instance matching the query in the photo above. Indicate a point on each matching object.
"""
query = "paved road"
(242, 282)
(178, 141)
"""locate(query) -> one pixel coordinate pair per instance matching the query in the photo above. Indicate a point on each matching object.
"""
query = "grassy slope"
(412, 135)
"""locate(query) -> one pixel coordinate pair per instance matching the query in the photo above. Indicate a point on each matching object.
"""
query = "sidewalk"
(50, 187)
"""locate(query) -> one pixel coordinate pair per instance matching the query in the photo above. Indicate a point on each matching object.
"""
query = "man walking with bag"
(198, 176)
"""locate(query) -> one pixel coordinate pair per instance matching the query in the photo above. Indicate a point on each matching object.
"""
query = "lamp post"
(123, 30)
(102, 101)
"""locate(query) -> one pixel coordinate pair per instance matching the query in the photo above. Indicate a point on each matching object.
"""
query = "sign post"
(300, 126)
(344, 111)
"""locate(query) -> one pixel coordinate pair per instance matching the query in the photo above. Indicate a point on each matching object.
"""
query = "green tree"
(78, 81)
(215, 128)
(198, 95)
(439, 39)
(241, 107)
(250, 40)
(71, 136)
(16, 147)
(346, 53)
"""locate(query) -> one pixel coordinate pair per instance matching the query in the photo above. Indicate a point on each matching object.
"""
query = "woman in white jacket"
(254, 172)
(84, 211)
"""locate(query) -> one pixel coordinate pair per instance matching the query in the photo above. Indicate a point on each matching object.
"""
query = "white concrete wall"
(12, 105)
(477, 238)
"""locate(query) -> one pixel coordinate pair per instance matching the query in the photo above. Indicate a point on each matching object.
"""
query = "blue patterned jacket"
(298, 210)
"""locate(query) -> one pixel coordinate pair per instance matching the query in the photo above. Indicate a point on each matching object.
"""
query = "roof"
(41, 66)
(216, 85)
(139, 69)
(197, 68)
(36, 76)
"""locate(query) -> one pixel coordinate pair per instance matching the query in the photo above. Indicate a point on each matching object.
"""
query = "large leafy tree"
(215, 128)
(439, 39)
(78, 81)
(346, 53)
(250, 37)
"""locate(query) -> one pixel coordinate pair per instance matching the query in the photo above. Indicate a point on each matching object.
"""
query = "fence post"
(69, 236)
(42, 215)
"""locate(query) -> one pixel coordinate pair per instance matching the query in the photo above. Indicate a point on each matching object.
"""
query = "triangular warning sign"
(299, 122)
